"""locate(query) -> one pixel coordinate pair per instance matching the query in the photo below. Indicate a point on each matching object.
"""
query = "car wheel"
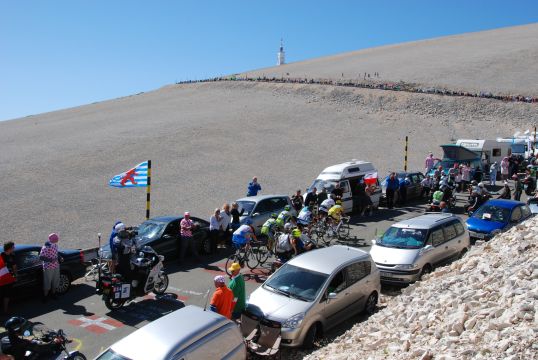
(64, 283)
(425, 270)
(371, 304)
(206, 245)
(310, 337)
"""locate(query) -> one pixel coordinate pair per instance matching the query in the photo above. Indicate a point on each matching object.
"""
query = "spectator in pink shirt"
(186, 240)
(51, 266)
(428, 163)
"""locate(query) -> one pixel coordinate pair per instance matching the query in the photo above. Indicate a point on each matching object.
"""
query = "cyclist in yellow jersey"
(336, 212)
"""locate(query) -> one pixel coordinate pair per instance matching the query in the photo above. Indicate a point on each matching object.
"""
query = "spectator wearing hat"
(51, 266)
(222, 299)
(237, 285)
(186, 239)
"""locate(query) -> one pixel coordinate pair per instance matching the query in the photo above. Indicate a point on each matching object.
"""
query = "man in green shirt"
(237, 285)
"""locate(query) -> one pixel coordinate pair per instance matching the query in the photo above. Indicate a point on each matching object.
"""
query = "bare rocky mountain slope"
(207, 140)
(501, 60)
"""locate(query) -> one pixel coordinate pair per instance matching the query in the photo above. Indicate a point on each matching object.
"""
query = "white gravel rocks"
(480, 307)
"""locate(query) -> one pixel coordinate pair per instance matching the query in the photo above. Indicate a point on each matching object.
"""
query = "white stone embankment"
(483, 306)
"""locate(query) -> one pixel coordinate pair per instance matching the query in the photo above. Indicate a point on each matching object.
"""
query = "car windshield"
(296, 282)
(247, 206)
(403, 238)
(150, 229)
(111, 355)
(493, 213)
(319, 184)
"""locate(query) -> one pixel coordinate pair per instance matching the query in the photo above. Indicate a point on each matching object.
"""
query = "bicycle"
(93, 271)
(245, 255)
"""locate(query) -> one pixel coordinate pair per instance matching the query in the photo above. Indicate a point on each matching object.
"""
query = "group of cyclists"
(288, 235)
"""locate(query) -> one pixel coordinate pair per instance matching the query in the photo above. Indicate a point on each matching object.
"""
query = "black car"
(30, 269)
(162, 234)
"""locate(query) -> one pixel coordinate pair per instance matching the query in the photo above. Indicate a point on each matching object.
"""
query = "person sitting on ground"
(268, 229)
(222, 299)
(253, 187)
(284, 216)
(244, 235)
(506, 193)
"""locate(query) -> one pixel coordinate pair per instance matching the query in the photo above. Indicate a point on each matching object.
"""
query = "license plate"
(385, 274)
(478, 235)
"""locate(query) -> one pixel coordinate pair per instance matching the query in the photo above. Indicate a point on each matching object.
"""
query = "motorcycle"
(146, 275)
(57, 340)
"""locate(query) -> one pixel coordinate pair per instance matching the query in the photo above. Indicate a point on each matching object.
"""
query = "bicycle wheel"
(343, 231)
(251, 258)
(91, 275)
(232, 259)
(262, 254)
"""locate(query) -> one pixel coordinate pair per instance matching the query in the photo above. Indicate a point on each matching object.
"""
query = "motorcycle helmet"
(287, 208)
(15, 324)
(274, 215)
(287, 226)
(296, 233)
(480, 184)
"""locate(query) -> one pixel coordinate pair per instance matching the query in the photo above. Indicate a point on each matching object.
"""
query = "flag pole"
(148, 191)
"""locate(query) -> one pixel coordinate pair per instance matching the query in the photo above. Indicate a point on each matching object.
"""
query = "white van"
(348, 175)
(490, 150)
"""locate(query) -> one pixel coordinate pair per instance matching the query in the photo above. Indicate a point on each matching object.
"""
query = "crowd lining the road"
(366, 83)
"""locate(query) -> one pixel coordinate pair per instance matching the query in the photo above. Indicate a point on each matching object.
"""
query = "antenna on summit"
(281, 56)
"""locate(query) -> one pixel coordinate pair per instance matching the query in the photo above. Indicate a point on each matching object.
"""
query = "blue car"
(494, 217)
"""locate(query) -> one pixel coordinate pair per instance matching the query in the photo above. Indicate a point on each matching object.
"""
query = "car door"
(452, 240)
(347, 198)
(262, 212)
(29, 269)
(168, 245)
(438, 251)
(359, 284)
(336, 310)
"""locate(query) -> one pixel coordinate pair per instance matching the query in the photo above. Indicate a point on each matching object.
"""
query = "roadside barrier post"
(405, 156)
(148, 191)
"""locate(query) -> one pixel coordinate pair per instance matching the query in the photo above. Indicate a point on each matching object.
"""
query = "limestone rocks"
(480, 307)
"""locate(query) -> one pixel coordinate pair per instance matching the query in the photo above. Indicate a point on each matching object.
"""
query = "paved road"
(83, 315)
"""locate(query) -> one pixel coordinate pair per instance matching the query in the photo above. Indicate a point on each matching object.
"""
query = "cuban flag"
(136, 177)
(370, 179)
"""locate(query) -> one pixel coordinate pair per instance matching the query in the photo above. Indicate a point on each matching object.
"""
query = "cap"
(234, 267)
(219, 279)
(53, 238)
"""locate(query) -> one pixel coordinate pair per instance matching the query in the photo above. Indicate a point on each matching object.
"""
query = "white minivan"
(348, 175)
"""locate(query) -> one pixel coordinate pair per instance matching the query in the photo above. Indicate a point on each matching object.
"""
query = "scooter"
(58, 339)
(147, 275)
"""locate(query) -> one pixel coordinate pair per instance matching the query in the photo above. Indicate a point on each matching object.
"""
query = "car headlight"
(406, 266)
(495, 232)
(294, 322)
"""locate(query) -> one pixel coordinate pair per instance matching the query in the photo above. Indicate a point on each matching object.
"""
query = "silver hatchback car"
(413, 247)
(259, 208)
(316, 291)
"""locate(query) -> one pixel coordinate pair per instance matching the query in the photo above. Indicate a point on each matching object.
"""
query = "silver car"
(316, 291)
(259, 208)
(187, 333)
(413, 247)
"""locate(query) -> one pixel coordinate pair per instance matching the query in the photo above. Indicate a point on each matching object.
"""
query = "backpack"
(283, 244)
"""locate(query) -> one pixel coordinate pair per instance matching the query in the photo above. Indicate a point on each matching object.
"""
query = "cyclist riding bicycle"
(244, 234)
(305, 215)
(284, 246)
(284, 216)
(301, 242)
(335, 212)
(268, 229)
(325, 206)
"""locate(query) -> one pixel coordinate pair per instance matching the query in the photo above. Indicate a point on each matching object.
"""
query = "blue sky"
(59, 54)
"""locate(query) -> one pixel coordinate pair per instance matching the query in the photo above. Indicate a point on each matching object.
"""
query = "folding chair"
(249, 327)
(268, 342)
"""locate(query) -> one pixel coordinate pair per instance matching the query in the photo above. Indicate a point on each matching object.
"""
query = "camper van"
(490, 150)
(348, 175)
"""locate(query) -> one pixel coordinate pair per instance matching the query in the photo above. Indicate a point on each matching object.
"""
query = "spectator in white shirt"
(215, 227)
(226, 216)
